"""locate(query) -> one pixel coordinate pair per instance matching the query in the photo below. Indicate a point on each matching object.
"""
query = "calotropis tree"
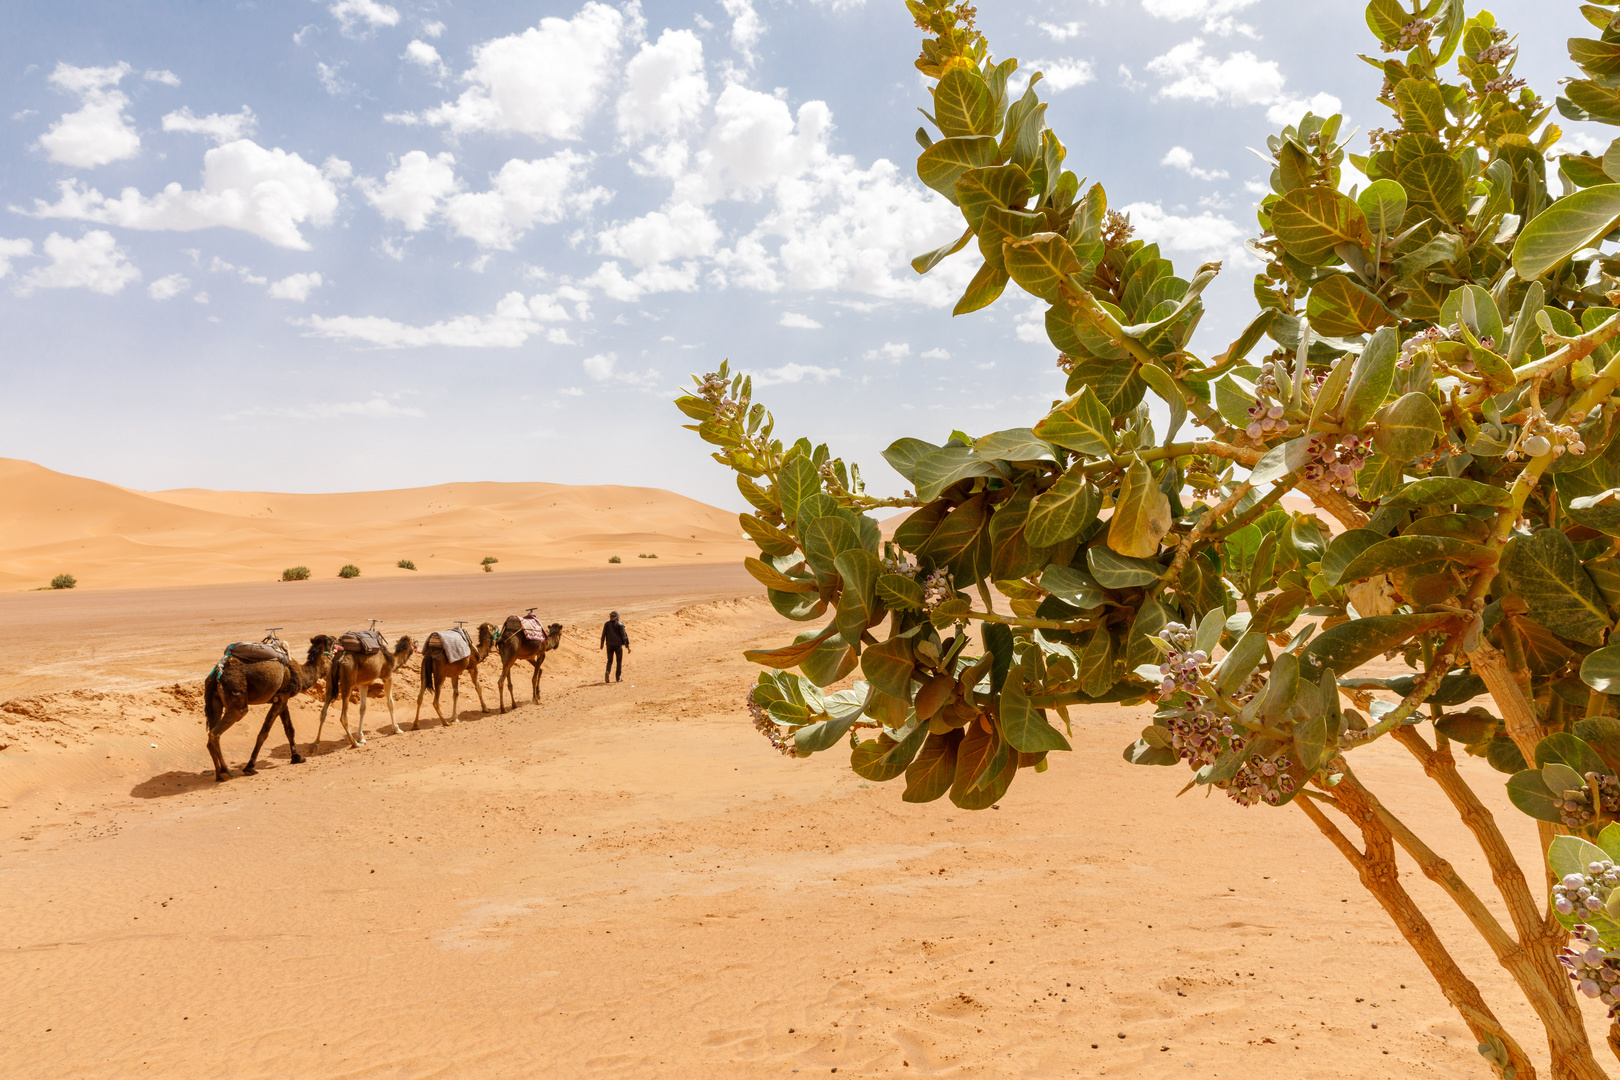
(1433, 364)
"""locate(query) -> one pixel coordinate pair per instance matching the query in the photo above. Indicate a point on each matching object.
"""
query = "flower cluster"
(1540, 437)
(1117, 229)
(937, 588)
(767, 727)
(1261, 779)
(715, 389)
(1182, 666)
(1498, 50)
(1575, 807)
(895, 562)
(1410, 347)
(1264, 419)
(1593, 971)
(1415, 33)
(1337, 463)
(1588, 892)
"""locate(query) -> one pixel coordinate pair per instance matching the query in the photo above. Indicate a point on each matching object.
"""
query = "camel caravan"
(354, 666)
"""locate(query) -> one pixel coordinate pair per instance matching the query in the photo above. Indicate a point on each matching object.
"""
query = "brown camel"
(235, 684)
(515, 645)
(356, 671)
(436, 669)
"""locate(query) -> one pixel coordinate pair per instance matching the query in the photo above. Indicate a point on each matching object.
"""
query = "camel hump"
(253, 652)
(361, 641)
(512, 625)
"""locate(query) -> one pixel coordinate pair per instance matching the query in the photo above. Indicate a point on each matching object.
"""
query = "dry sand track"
(625, 881)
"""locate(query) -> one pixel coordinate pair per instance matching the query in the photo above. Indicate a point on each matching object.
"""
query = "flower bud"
(1536, 445)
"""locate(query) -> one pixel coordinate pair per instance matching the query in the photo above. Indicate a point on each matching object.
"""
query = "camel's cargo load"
(456, 644)
(530, 626)
(361, 641)
(253, 652)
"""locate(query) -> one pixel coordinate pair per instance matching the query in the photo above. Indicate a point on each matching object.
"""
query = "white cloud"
(202, 298)
(558, 335)
(664, 86)
(795, 321)
(424, 55)
(1216, 14)
(219, 266)
(677, 232)
(168, 287)
(510, 326)
(1203, 234)
(1063, 75)
(414, 190)
(795, 373)
(13, 249)
(610, 278)
(746, 27)
(94, 262)
(433, 28)
(603, 367)
(376, 408)
(1179, 157)
(937, 354)
(1061, 31)
(167, 78)
(268, 193)
(1241, 79)
(756, 142)
(545, 82)
(892, 351)
(357, 17)
(600, 366)
(522, 195)
(296, 286)
(222, 128)
(98, 132)
(331, 80)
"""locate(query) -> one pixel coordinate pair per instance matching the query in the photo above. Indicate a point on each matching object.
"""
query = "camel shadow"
(175, 782)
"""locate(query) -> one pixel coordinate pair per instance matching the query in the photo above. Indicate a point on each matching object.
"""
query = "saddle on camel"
(524, 637)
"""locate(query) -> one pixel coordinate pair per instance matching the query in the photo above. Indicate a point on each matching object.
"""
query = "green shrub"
(614, 559)
(406, 564)
(646, 556)
(489, 564)
(295, 573)
(349, 570)
(64, 581)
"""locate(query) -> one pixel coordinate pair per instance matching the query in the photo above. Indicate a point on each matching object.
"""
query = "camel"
(357, 671)
(236, 684)
(514, 646)
(436, 669)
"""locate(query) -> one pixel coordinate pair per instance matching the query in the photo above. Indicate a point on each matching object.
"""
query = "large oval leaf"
(1343, 550)
(1141, 513)
(1311, 221)
(1601, 670)
(1436, 181)
(944, 162)
(930, 773)
(1384, 206)
(1371, 378)
(1545, 572)
(1063, 509)
(1026, 727)
(1081, 424)
(1339, 307)
(962, 104)
(941, 468)
(1564, 228)
(1399, 552)
(882, 759)
(1446, 490)
(1408, 428)
(1115, 571)
(1349, 645)
(1530, 793)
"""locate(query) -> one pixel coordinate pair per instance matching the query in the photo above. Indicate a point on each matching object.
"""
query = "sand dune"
(112, 537)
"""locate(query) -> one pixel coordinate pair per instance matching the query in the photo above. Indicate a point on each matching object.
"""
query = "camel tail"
(430, 671)
(213, 699)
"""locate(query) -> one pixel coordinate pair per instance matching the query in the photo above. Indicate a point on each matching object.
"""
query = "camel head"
(487, 638)
(553, 635)
(403, 649)
(320, 654)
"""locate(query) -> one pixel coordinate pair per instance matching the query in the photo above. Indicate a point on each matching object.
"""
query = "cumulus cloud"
(426, 56)
(892, 351)
(99, 131)
(522, 195)
(1241, 79)
(167, 78)
(664, 86)
(756, 142)
(13, 249)
(545, 82)
(222, 128)
(676, 232)
(268, 193)
(509, 326)
(611, 279)
(168, 286)
(1063, 75)
(296, 286)
(1216, 14)
(937, 354)
(1179, 157)
(604, 367)
(94, 262)
(414, 190)
(432, 28)
(795, 321)
(746, 27)
(1206, 235)
(795, 373)
(359, 17)
(1061, 31)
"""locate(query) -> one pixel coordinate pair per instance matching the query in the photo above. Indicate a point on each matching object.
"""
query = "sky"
(329, 245)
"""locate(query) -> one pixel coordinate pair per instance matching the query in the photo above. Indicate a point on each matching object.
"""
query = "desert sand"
(626, 881)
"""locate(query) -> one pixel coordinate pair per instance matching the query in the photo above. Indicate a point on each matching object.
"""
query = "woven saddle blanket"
(361, 641)
(456, 644)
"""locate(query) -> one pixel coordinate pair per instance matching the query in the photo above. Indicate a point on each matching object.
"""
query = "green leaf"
(1014, 444)
(1311, 221)
(1445, 491)
(900, 593)
(1281, 460)
(1408, 428)
(1343, 550)
(962, 104)
(941, 468)
(1310, 741)
(1041, 264)
(797, 481)
(998, 226)
(1240, 663)
(1081, 424)
(1383, 204)
(1025, 726)
(1339, 307)
(857, 607)
(825, 538)
(1399, 552)
(1595, 57)
(773, 578)
(926, 262)
(1530, 793)
(1567, 749)
(800, 607)
(828, 662)
(1063, 509)
(790, 656)
(823, 735)
(1117, 385)
(1437, 182)
(1421, 106)
(903, 455)
(983, 290)
(943, 163)
(1001, 185)
(1371, 379)
(1097, 663)
(1564, 228)
(1386, 19)
(1115, 571)
(888, 666)
(1162, 384)
(1074, 587)
(1349, 645)
(1150, 620)
(1485, 320)
(771, 541)
(1141, 513)
(930, 773)
(1601, 670)
(1545, 572)
(984, 769)
(882, 759)
(1330, 395)
(961, 529)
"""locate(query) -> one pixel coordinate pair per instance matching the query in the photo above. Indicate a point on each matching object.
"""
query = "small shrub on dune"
(349, 570)
(646, 556)
(406, 564)
(614, 559)
(64, 581)
(489, 564)
(295, 573)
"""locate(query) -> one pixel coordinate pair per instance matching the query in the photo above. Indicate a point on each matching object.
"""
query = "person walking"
(616, 639)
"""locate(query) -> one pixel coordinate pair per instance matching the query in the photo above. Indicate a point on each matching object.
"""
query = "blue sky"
(321, 245)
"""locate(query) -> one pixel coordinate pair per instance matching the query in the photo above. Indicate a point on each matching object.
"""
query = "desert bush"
(349, 571)
(406, 564)
(1433, 363)
(295, 573)
(64, 581)
(614, 559)
(489, 564)
(646, 556)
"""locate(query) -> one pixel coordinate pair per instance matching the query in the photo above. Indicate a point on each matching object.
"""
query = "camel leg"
(269, 719)
(455, 699)
(327, 704)
(481, 706)
(534, 682)
(420, 690)
(359, 736)
(500, 684)
(388, 696)
(287, 726)
(231, 716)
